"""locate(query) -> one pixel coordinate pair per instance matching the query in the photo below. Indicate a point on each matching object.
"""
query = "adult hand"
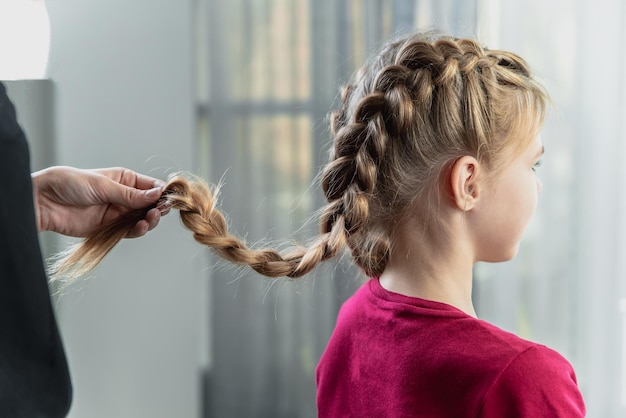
(78, 202)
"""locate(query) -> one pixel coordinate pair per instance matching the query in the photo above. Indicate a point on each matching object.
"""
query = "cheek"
(512, 218)
(526, 200)
(533, 192)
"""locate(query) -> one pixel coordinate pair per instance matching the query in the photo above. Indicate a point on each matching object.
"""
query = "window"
(268, 74)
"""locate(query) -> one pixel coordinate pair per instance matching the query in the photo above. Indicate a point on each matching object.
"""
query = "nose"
(539, 186)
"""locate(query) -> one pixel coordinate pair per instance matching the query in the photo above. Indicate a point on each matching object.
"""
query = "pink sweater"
(397, 356)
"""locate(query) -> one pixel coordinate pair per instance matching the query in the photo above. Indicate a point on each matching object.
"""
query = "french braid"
(424, 101)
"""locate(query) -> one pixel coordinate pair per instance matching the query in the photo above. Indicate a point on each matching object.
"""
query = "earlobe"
(464, 182)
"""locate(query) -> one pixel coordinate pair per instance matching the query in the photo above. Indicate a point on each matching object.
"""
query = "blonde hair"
(419, 104)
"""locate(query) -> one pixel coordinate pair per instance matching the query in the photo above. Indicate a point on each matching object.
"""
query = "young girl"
(432, 170)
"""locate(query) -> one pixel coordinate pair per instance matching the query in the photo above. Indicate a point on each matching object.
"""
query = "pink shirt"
(397, 356)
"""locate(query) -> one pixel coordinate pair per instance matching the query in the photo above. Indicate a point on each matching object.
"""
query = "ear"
(464, 183)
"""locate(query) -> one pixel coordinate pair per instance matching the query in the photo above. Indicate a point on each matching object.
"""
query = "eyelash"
(537, 165)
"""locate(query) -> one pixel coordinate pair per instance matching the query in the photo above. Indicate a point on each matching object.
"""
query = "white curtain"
(268, 74)
(567, 286)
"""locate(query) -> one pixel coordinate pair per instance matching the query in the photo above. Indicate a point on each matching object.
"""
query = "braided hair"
(422, 102)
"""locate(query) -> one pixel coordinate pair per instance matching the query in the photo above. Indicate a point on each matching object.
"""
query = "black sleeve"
(34, 378)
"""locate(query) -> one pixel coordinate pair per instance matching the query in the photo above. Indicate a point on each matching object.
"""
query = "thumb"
(131, 197)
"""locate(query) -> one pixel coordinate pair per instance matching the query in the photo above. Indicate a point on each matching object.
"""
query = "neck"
(437, 270)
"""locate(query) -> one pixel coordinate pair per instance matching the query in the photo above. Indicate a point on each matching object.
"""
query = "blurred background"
(238, 91)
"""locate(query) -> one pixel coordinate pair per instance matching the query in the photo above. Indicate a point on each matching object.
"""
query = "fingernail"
(155, 193)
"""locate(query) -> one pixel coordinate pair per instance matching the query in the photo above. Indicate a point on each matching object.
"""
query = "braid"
(349, 180)
(421, 103)
(412, 109)
(196, 203)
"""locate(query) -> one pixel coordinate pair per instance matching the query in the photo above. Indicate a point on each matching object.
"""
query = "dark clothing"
(34, 378)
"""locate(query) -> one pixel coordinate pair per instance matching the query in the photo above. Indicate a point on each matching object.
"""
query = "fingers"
(153, 216)
(131, 178)
(144, 182)
(131, 190)
(128, 189)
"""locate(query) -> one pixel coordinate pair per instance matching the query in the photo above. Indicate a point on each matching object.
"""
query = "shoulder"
(535, 381)
(537, 363)
(356, 303)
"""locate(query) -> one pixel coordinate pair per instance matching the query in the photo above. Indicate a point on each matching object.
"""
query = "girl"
(432, 170)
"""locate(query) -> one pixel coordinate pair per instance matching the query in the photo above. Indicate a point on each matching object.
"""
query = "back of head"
(422, 102)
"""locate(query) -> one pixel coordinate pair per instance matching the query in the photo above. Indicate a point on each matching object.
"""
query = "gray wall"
(34, 103)
(122, 73)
